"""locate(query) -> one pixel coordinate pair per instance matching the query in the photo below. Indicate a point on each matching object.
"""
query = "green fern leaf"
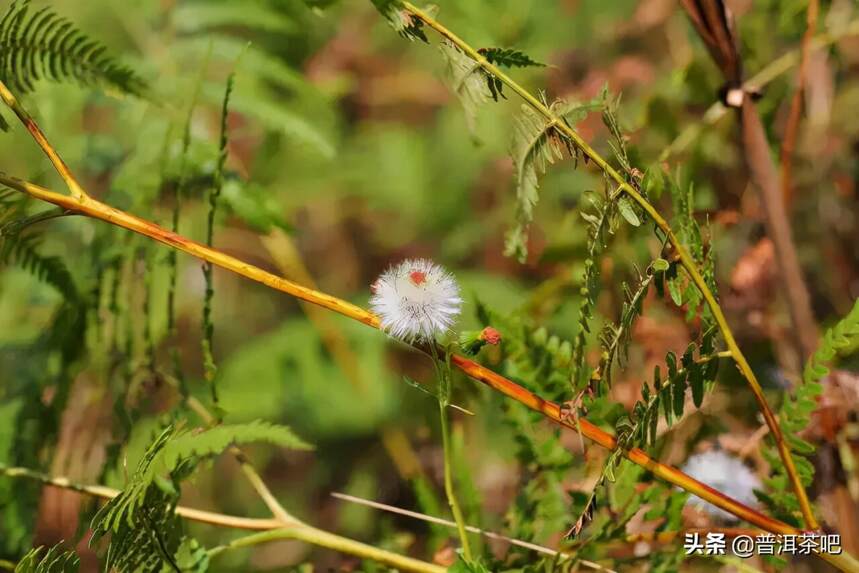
(795, 415)
(55, 560)
(215, 440)
(41, 44)
(509, 58)
(600, 225)
(145, 534)
(842, 336)
(537, 143)
(615, 339)
(401, 20)
(23, 251)
(467, 80)
(669, 395)
(680, 287)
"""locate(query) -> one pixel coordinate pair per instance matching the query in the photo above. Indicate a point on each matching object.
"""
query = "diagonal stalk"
(685, 258)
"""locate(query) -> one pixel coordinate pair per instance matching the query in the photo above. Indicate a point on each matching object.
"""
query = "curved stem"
(104, 492)
(449, 490)
(685, 258)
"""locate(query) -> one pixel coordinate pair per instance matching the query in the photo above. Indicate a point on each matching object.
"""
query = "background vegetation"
(347, 151)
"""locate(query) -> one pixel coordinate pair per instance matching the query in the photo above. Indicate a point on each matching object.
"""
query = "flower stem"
(442, 367)
(686, 259)
(452, 501)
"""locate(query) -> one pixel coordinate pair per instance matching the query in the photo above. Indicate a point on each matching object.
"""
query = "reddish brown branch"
(764, 174)
(792, 127)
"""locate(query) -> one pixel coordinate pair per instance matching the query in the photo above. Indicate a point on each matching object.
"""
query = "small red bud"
(490, 336)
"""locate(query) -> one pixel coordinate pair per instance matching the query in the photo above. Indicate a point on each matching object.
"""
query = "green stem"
(322, 538)
(448, 482)
(686, 259)
(442, 368)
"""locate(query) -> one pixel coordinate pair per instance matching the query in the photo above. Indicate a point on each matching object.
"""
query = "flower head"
(416, 300)
(726, 473)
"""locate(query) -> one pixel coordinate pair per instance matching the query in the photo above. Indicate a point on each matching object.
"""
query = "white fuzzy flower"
(725, 473)
(416, 300)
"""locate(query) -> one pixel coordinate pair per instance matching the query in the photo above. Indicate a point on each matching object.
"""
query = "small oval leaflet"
(628, 212)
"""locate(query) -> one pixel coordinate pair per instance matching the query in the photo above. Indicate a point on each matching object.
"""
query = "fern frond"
(215, 440)
(795, 416)
(22, 250)
(506, 58)
(617, 141)
(41, 44)
(141, 521)
(668, 395)
(55, 560)
(145, 534)
(681, 289)
(209, 366)
(509, 58)
(615, 338)
(467, 80)
(401, 20)
(844, 335)
(537, 143)
(600, 224)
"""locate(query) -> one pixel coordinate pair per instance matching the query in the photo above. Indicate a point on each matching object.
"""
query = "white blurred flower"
(416, 300)
(725, 473)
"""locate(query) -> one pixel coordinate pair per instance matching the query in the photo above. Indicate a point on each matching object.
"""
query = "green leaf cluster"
(37, 44)
(54, 560)
(668, 395)
(795, 416)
